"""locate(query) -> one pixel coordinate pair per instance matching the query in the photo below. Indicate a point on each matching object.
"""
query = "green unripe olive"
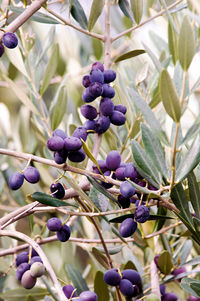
(27, 280)
(152, 297)
(37, 269)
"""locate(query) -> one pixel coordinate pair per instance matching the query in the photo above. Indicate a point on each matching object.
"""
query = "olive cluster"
(29, 268)
(129, 281)
(97, 84)
(63, 232)
(30, 174)
(9, 40)
(70, 292)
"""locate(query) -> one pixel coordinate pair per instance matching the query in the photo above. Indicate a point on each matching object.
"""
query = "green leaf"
(95, 12)
(194, 193)
(196, 287)
(189, 161)
(193, 261)
(159, 223)
(90, 155)
(102, 189)
(149, 116)
(129, 55)
(21, 95)
(143, 189)
(76, 278)
(111, 250)
(178, 196)
(97, 48)
(186, 284)
(15, 57)
(102, 259)
(50, 69)
(172, 43)
(78, 14)
(165, 263)
(144, 165)
(137, 9)
(100, 287)
(186, 44)
(155, 99)
(125, 8)
(192, 132)
(169, 96)
(46, 199)
(152, 217)
(20, 294)
(38, 17)
(155, 151)
(59, 108)
(99, 199)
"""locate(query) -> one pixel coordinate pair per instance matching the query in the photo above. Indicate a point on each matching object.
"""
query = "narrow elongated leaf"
(90, 155)
(48, 200)
(78, 14)
(186, 284)
(153, 58)
(137, 9)
(15, 57)
(102, 259)
(99, 199)
(125, 8)
(165, 263)
(178, 196)
(192, 132)
(149, 116)
(143, 189)
(186, 44)
(50, 69)
(159, 223)
(196, 287)
(189, 161)
(38, 17)
(76, 278)
(154, 149)
(102, 189)
(100, 287)
(156, 99)
(144, 165)
(194, 193)
(111, 250)
(169, 96)
(172, 43)
(95, 12)
(21, 95)
(97, 48)
(193, 261)
(59, 108)
(129, 55)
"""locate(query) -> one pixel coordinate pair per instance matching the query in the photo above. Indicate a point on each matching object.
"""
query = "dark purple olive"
(16, 180)
(31, 174)
(72, 143)
(170, 297)
(106, 107)
(102, 165)
(162, 289)
(88, 296)
(127, 190)
(96, 76)
(54, 224)
(96, 89)
(10, 40)
(117, 118)
(60, 157)
(141, 214)
(21, 258)
(21, 269)
(77, 156)
(119, 173)
(57, 190)
(89, 112)
(120, 108)
(109, 76)
(69, 291)
(86, 96)
(124, 202)
(98, 65)
(127, 227)
(131, 172)
(89, 125)
(55, 143)
(59, 133)
(86, 81)
(132, 275)
(35, 259)
(112, 277)
(102, 124)
(179, 271)
(126, 288)
(64, 233)
(113, 160)
(108, 91)
(104, 184)
(80, 132)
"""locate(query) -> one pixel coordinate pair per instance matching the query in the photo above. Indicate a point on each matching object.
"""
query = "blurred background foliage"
(44, 74)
